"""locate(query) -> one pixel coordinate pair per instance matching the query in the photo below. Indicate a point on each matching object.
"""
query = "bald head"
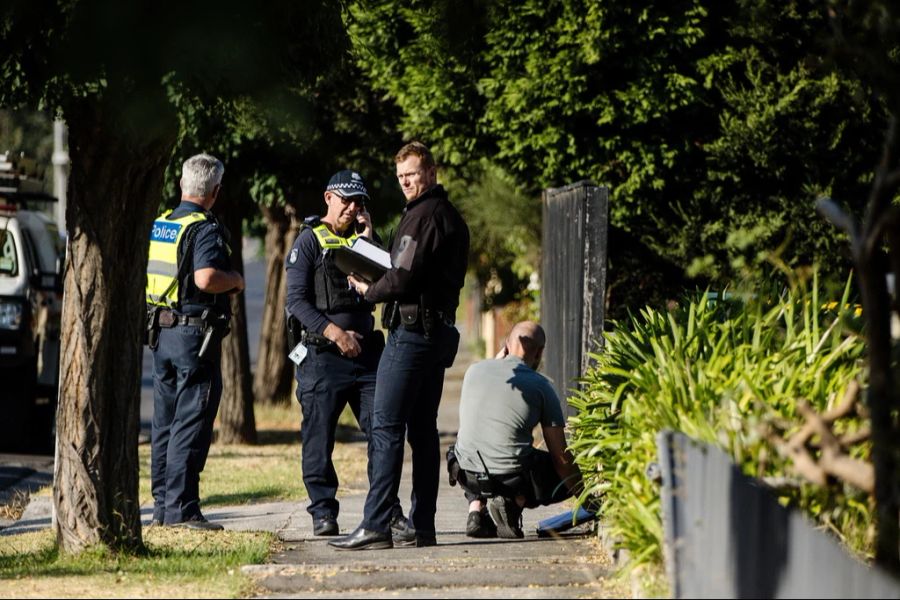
(527, 341)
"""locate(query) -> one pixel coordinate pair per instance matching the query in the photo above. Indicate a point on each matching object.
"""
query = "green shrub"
(716, 367)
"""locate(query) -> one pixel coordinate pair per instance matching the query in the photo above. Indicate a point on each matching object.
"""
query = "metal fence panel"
(573, 279)
(728, 537)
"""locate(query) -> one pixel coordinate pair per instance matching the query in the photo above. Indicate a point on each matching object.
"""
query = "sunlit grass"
(177, 563)
(269, 471)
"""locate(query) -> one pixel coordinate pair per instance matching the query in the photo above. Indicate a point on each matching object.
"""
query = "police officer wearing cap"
(339, 346)
(429, 256)
(189, 275)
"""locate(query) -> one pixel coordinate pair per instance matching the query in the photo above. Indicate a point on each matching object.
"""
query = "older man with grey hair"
(189, 277)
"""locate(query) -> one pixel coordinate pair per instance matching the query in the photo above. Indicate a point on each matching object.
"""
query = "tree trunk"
(883, 398)
(882, 402)
(114, 191)
(881, 221)
(237, 424)
(274, 372)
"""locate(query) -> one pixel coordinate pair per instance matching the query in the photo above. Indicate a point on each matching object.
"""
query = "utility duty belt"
(213, 323)
(414, 317)
(169, 318)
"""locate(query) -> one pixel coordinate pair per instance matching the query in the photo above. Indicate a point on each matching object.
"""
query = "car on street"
(31, 259)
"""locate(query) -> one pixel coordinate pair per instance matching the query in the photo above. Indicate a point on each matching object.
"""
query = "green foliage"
(282, 148)
(30, 132)
(717, 370)
(249, 95)
(714, 124)
(505, 230)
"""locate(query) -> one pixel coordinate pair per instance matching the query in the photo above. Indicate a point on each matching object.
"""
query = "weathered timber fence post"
(573, 279)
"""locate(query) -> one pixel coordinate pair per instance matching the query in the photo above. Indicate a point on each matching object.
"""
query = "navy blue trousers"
(186, 394)
(326, 383)
(407, 396)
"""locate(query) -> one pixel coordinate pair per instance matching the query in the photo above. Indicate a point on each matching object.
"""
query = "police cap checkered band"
(347, 183)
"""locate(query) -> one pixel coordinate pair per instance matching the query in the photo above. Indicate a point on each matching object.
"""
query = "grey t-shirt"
(502, 401)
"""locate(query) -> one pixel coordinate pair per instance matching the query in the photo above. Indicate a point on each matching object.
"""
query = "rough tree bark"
(114, 191)
(274, 372)
(881, 221)
(237, 424)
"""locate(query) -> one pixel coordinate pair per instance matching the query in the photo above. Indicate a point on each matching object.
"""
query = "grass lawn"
(181, 563)
(177, 564)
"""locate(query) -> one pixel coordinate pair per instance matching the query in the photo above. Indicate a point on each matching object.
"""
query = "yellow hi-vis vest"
(162, 266)
(329, 240)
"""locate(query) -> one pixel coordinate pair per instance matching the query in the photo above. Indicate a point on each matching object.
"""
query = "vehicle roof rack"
(21, 180)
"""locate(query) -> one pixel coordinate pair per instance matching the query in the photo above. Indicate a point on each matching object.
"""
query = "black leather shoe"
(363, 539)
(198, 523)
(325, 526)
(479, 525)
(409, 538)
(399, 523)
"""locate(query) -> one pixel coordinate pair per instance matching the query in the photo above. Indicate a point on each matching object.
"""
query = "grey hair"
(200, 174)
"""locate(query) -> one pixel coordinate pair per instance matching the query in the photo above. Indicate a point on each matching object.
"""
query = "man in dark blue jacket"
(429, 257)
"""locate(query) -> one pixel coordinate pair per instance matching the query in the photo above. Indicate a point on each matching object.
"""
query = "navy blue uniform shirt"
(209, 250)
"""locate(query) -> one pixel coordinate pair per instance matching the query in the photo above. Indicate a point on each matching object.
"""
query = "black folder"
(363, 259)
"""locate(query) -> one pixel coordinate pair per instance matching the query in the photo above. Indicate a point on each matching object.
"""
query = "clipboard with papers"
(363, 259)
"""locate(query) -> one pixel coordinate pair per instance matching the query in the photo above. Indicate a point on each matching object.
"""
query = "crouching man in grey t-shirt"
(502, 400)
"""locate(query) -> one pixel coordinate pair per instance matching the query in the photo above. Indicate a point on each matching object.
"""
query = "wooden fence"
(726, 536)
(573, 279)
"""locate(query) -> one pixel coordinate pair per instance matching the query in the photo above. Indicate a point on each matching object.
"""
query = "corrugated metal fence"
(728, 537)
(573, 279)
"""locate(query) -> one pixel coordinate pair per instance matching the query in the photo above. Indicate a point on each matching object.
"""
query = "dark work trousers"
(538, 482)
(186, 394)
(410, 382)
(326, 383)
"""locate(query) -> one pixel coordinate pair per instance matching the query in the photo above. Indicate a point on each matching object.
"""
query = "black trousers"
(538, 482)
(410, 382)
(326, 383)
(186, 394)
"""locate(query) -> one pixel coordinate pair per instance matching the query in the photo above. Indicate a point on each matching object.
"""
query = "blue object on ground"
(564, 521)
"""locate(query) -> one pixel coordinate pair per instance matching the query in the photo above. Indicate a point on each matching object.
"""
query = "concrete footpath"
(572, 565)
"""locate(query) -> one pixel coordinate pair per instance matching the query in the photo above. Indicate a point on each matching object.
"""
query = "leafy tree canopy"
(714, 124)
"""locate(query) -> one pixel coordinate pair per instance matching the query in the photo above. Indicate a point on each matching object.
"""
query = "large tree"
(110, 68)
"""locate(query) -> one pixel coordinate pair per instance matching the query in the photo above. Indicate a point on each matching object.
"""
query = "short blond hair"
(415, 149)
